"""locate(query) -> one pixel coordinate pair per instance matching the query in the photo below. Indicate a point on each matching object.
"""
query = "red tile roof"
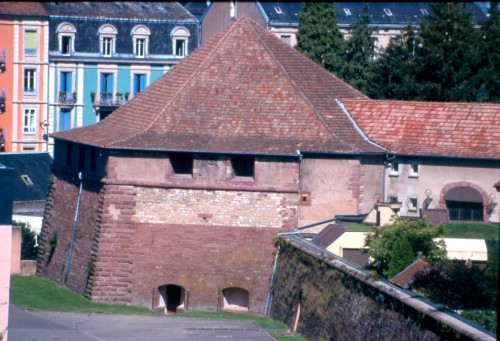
(430, 128)
(30, 8)
(408, 275)
(244, 91)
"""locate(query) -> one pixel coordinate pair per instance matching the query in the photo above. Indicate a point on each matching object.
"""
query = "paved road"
(52, 326)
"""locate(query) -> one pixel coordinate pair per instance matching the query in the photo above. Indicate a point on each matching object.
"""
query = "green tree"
(28, 240)
(400, 257)
(359, 56)
(393, 75)
(318, 35)
(444, 63)
(384, 244)
(486, 81)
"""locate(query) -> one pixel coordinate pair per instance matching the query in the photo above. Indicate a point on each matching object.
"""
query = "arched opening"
(464, 204)
(235, 299)
(171, 298)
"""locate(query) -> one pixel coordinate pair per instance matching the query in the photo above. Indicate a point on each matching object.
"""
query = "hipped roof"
(244, 91)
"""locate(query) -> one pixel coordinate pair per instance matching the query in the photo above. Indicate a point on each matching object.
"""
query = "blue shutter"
(68, 81)
(110, 83)
(103, 83)
(136, 83)
(64, 120)
(143, 82)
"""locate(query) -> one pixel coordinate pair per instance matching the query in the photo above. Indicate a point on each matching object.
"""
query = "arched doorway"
(235, 299)
(171, 298)
(464, 204)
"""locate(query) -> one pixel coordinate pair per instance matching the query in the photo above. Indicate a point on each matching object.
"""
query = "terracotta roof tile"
(407, 276)
(430, 128)
(244, 91)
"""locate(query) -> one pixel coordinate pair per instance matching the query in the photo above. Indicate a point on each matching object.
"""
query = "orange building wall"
(7, 79)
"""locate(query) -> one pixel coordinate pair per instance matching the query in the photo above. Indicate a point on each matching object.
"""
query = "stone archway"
(464, 201)
(236, 299)
(171, 299)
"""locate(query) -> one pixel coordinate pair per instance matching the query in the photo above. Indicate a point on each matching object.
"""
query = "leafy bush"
(28, 241)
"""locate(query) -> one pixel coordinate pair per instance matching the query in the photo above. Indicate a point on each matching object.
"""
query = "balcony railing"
(107, 99)
(2, 100)
(3, 60)
(67, 99)
(30, 52)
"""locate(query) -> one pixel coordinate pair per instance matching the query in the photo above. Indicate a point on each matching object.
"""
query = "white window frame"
(140, 33)
(347, 11)
(66, 30)
(412, 204)
(29, 121)
(388, 12)
(414, 170)
(31, 79)
(180, 34)
(394, 169)
(107, 33)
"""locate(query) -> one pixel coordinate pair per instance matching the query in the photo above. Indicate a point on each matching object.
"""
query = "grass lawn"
(466, 230)
(472, 230)
(35, 293)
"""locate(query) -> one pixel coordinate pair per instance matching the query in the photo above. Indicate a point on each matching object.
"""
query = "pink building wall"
(5, 264)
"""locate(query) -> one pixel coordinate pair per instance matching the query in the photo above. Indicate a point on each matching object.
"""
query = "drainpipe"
(387, 160)
(299, 188)
(74, 229)
(274, 270)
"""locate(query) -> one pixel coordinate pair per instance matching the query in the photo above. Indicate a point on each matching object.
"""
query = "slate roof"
(37, 166)
(25, 8)
(408, 275)
(244, 91)
(144, 10)
(328, 235)
(430, 128)
(402, 13)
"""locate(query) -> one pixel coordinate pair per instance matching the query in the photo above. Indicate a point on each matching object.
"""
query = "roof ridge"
(181, 88)
(297, 87)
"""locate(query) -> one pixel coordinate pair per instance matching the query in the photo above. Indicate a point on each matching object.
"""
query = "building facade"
(103, 53)
(24, 69)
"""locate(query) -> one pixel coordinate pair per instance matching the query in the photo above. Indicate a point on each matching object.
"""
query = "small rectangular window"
(66, 45)
(243, 165)
(180, 48)
(424, 11)
(414, 168)
(278, 10)
(26, 179)
(394, 169)
(107, 46)
(412, 204)
(182, 163)
(387, 11)
(29, 121)
(30, 43)
(29, 81)
(347, 11)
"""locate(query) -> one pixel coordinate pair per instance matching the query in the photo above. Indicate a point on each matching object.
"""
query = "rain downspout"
(388, 159)
(271, 281)
(74, 229)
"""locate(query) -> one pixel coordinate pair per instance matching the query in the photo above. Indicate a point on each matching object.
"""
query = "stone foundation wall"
(324, 298)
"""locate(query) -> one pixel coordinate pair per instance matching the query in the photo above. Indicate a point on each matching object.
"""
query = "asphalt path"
(51, 326)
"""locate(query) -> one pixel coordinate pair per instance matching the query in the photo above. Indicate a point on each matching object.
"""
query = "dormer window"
(180, 39)
(347, 11)
(140, 37)
(232, 10)
(26, 179)
(107, 36)
(387, 11)
(66, 33)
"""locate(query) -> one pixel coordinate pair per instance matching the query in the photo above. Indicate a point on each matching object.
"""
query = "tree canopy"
(396, 245)
(447, 58)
